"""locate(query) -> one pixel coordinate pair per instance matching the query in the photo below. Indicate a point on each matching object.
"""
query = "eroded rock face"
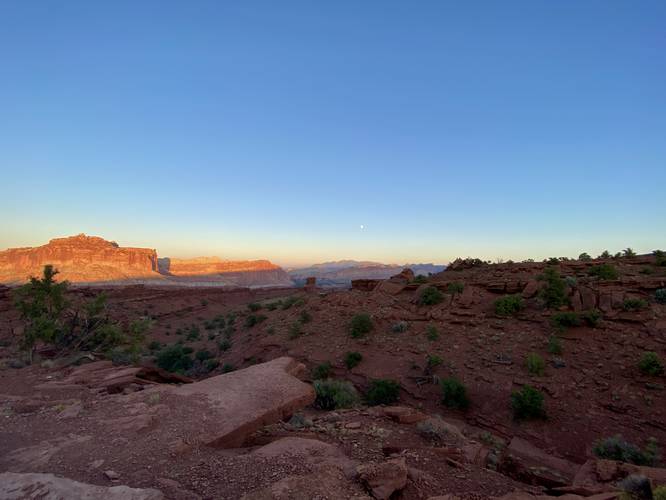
(234, 272)
(49, 487)
(79, 258)
(250, 398)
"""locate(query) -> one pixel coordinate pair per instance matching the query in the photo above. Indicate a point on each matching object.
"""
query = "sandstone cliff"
(215, 270)
(89, 259)
(79, 258)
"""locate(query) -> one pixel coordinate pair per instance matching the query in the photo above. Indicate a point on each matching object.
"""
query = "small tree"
(42, 303)
(554, 294)
(360, 325)
(584, 256)
(628, 252)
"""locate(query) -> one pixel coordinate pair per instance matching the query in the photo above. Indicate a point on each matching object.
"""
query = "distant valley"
(339, 274)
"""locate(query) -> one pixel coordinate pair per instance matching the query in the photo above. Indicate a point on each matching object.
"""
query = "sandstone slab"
(49, 487)
(250, 398)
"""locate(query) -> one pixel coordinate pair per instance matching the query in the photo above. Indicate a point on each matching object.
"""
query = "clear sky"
(251, 129)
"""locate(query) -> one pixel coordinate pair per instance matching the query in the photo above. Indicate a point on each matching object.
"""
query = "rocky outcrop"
(232, 272)
(243, 401)
(49, 487)
(79, 259)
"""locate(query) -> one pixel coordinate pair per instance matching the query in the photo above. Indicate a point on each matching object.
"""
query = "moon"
(362, 227)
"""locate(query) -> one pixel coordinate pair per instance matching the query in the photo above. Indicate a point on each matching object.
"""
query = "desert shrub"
(659, 493)
(210, 364)
(51, 318)
(400, 327)
(634, 304)
(553, 261)
(584, 256)
(154, 345)
(527, 403)
(646, 270)
(209, 325)
(430, 296)
(270, 330)
(352, 359)
(321, 371)
(431, 333)
(304, 317)
(174, 358)
(554, 345)
(254, 306)
(382, 391)
(535, 364)
(554, 293)
(591, 317)
(360, 325)
(272, 306)
(334, 394)
(455, 287)
(454, 394)
(565, 319)
(292, 301)
(228, 367)
(660, 296)
(194, 333)
(604, 255)
(295, 330)
(254, 319)
(433, 361)
(203, 355)
(224, 344)
(616, 448)
(651, 364)
(509, 305)
(421, 279)
(659, 257)
(628, 252)
(604, 272)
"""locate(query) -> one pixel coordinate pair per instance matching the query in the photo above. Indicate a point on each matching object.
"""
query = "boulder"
(404, 414)
(530, 289)
(532, 465)
(243, 401)
(395, 284)
(49, 487)
(601, 475)
(588, 298)
(383, 479)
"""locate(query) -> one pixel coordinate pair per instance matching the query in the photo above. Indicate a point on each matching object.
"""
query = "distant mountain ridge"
(94, 260)
(341, 273)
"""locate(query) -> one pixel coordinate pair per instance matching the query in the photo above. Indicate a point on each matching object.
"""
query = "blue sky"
(276, 129)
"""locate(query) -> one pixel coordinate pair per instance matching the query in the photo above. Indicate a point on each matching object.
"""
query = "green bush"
(431, 333)
(535, 364)
(455, 287)
(433, 361)
(174, 358)
(554, 293)
(334, 394)
(651, 364)
(565, 319)
(634, 304)
(304, 317)
(628, 252)
(360, 325)
(321, 371)
(591, 317)
(224, 344)
(554, 345)
(454, 394)
(420, 279)
(254, 319)
(352, 359)
(254, 306)
(616, 448)
(660, 296)
(604, 272)
(584, 256)
(509, 305)
(659, 257)
(659, 493)
(382, 391)
(430, 296)
(295, 330)
(228, 367)
(203, 355)
(527, 403)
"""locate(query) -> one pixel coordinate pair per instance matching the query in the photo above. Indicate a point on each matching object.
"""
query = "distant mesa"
(90, 259)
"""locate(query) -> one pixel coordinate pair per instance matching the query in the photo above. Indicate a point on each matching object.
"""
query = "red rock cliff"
(79, 259)
(214, 269)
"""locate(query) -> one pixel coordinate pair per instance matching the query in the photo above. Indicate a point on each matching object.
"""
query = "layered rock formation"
(90, 259)
(79, 258)
(231, 272)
